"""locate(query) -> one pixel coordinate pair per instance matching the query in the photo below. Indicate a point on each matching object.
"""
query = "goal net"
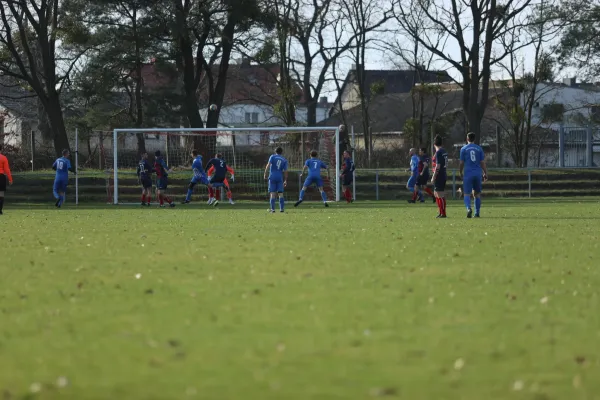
(246, 150)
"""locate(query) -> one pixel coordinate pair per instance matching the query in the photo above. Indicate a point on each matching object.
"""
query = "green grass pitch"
(352, 302)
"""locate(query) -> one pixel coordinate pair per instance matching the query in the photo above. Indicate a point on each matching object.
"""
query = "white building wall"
(11, 132)
(577, 103)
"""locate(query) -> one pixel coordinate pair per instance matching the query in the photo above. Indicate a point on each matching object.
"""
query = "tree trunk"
(57, 123)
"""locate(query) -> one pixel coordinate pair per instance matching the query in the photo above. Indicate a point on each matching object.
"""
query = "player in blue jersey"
(314, 166)
(439, 175)
(276, 172)
(472, 162)
(144, 173)
(199, 176)
(414, 175)
(62, 166)
(347, 176)
(219, 175)
(162, 183)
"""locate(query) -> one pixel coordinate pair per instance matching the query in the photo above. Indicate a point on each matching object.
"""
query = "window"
(553, 112)
(252, 118)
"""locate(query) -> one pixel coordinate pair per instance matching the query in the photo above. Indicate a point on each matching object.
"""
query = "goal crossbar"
(192, 131)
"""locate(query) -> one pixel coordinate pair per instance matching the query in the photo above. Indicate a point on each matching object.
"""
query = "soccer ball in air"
(213, 107)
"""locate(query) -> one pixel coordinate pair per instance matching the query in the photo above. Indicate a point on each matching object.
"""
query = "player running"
(347, 175)
(219, 176)
(414, 171)
(5, 176)
(199, 176)
(472, 161)
(439, 175)
(144, 173)
(211, 192)
(277, 170)
(314, 166)
(162, 174)
(62, 166)
(423, 178)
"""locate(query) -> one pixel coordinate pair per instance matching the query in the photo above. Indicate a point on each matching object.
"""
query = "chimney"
(571, 82)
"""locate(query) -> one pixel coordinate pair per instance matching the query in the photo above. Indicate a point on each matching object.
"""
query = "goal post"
(246, 149)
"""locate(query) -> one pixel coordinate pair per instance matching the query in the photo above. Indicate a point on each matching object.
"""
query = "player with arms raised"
(277, 172)
(162, 174)
(199, 176)
(219, 176)
(347, 175)
(472, 162)
(62, 166)
(144, 173)
(314, 166)
(439, 175)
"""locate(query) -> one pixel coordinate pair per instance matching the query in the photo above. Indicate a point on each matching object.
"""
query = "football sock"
(229, 194)
(439, 204)
(415, 194)
(55, 193)
(61, 200)
(302, 194)
(143, 198)
(349, 194)
(420, 196)
(429, 192)
(477, 204)
(324, 196)
(218, 194)
(443, 202)
(468, 202)
(281, 203)
(1, 203)
(211, 192)
(272, 203)
(149, 198)
(189, 195)
(161, 199)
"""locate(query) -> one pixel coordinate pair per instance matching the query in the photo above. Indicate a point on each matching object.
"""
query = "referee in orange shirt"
(4, 177)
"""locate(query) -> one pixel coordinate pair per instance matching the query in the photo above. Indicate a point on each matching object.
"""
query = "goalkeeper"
(212, 191)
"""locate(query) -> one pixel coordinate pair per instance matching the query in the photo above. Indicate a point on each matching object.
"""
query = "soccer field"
(351, 302)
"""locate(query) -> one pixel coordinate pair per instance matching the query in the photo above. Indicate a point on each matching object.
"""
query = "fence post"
(453, 184)
(354, 161)
(589, 149)
(377, 184)
(498, 151)
(76, 166)
(529, 180)
(32, 138)
(561, 146)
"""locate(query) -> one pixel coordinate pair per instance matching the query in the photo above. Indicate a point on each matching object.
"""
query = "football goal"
(246, 150)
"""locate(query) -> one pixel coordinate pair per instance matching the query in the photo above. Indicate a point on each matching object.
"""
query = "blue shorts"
(199, 179)
(313, 179)
(275, 186)
(146, 183)
(162, 183)
(60, 185)
(412, 181)
(472, 183)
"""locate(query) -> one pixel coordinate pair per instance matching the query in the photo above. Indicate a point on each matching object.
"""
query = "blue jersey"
(414, 164)
(144, 169)
(315, 166)
(62, 166)
(348, 166)
(197, 167)
(472, 156)
(441, 163)
(220, 168)
(278, 166)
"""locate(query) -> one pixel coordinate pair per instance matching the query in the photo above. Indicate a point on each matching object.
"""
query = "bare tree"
(474, 27)
(30, 51)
